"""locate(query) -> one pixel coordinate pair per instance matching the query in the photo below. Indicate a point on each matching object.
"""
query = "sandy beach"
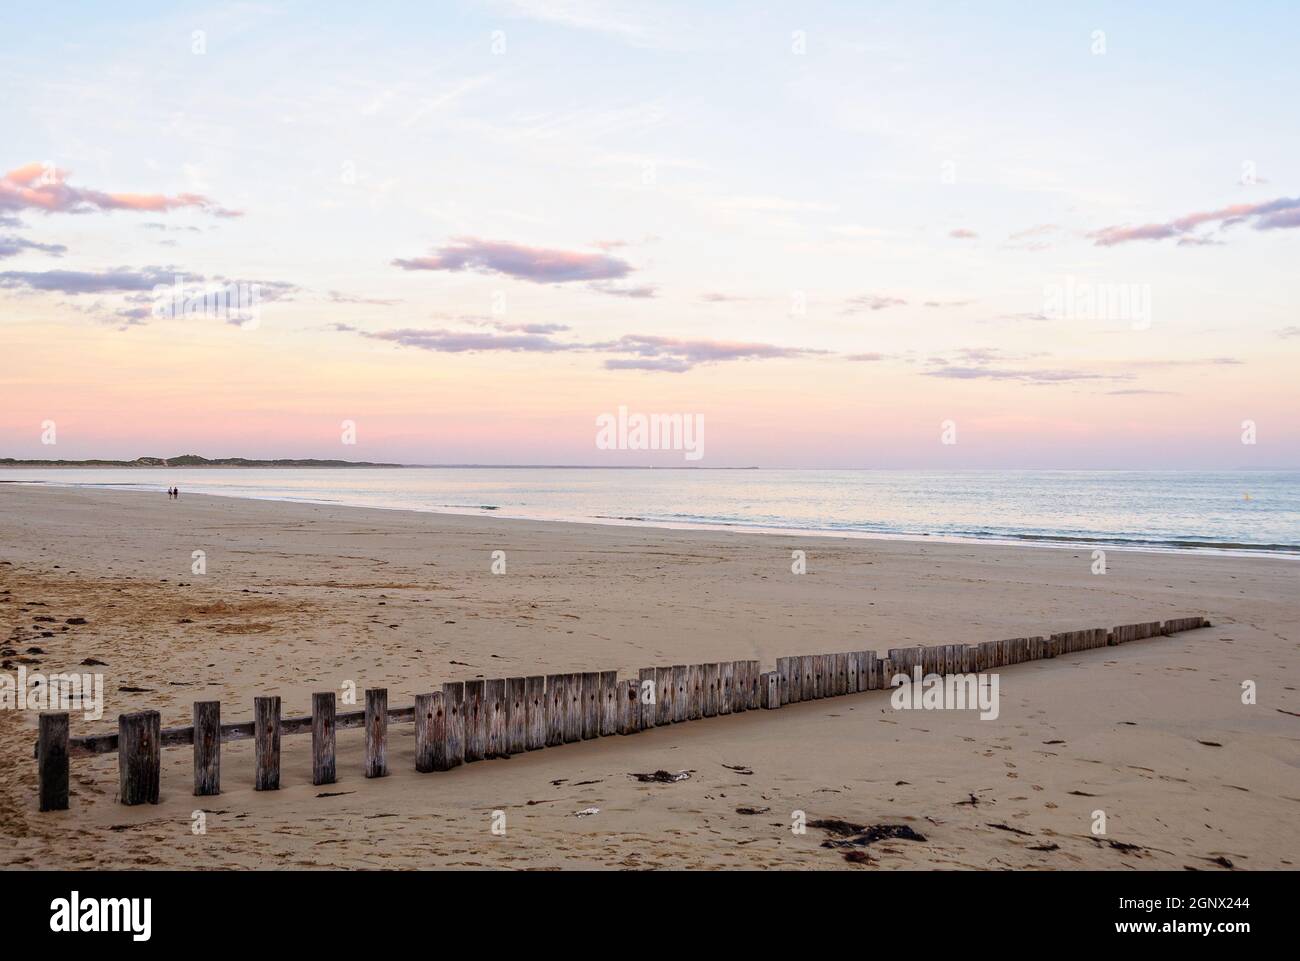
(300, 598)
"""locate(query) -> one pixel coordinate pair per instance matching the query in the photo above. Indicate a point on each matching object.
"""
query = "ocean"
(1250, 511)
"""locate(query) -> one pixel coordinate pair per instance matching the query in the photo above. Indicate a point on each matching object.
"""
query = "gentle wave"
(1241, 512)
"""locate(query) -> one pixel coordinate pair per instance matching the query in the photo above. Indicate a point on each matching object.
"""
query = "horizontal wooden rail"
(91, 744)
(484, 718)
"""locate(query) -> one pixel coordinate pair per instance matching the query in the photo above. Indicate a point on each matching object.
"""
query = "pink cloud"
(537, 264)
(1281, 213)
(39, 187)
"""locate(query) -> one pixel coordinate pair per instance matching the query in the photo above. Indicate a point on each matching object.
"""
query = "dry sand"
(299, 598)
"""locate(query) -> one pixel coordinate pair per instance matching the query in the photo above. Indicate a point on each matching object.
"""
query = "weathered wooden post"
(796, 680)
(755, 685)
(663, 695)
(853, 662)
(819, 676)
(475, 714)
(807, 678)
(452, 752)
(712, 688)
(207, 748)
(629, 719)
(494, 706)
(726, 686)
(590, 704)
(783, 679)
(681, 692)
(771, 685)
(443, 741)
(573, 708)
(377, 732)
(695, 700)
(139, 759)
(536, 711)
(266, 743)
(52, 760)
(648, 709)
(516, 715)
(609, 703)
(841, 674)
(557, 708)
(322, 738)
(739, 686)
(428, 718)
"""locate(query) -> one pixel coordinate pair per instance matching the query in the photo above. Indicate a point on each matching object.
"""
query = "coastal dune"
(297, 598)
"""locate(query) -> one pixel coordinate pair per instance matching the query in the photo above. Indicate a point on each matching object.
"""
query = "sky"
(843, 234)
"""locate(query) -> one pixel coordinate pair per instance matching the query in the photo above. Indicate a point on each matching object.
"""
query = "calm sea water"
(1234, 510)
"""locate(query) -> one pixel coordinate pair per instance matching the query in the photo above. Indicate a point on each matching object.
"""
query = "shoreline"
(1181, 547)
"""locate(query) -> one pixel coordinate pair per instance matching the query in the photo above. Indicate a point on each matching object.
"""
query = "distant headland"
(191, 460)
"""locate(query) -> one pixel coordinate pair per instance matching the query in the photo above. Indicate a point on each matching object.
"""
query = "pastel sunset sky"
(826, 227)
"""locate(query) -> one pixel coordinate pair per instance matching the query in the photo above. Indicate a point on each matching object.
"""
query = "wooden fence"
(469, 721)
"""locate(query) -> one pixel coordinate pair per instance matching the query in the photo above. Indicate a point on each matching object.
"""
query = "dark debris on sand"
(860, 835)
(661, 777)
